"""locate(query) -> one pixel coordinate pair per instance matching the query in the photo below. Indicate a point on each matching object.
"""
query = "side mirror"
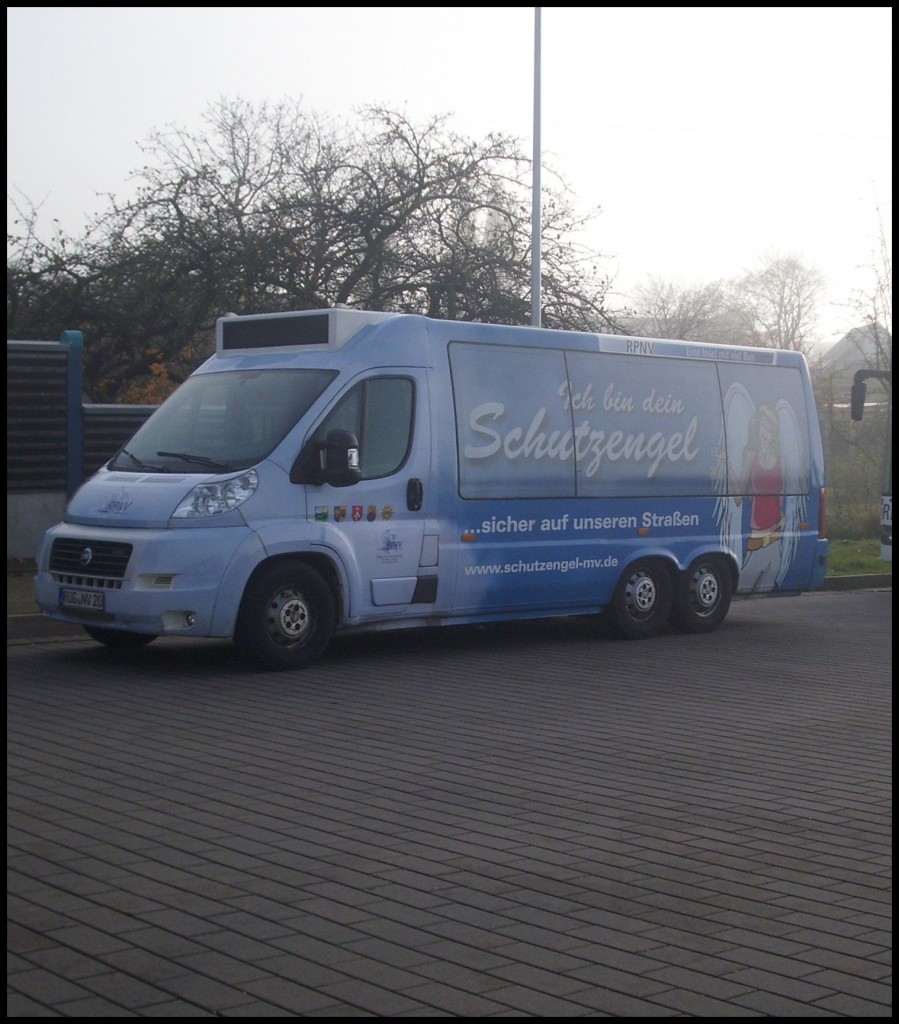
(341, 464)
(335, 461)
(858, 394)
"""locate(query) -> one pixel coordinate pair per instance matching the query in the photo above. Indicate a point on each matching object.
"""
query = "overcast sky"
(710, 137)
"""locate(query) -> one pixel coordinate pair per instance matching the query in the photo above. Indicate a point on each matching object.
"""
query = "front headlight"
(215, 498)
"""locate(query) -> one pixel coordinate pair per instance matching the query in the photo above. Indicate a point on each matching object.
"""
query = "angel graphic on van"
(764, 479)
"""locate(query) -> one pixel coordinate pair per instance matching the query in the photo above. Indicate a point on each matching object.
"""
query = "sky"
(710, 138)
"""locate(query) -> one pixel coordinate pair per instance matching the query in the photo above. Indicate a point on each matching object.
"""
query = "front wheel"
(119, 639)
(641, 603)
(702, 596)
(286, 618)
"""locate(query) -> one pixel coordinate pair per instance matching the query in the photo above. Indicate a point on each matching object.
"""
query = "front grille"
(95, 582)
(83, 560)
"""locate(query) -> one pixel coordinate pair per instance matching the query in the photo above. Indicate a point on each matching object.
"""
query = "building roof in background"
(861, 347)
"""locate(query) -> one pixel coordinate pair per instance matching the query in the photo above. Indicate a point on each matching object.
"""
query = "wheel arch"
(662, 556)
(719, 554)
(321, 563)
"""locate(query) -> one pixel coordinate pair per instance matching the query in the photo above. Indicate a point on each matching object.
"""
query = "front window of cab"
(218, 422)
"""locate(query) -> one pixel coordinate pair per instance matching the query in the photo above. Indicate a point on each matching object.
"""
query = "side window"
(379, 412)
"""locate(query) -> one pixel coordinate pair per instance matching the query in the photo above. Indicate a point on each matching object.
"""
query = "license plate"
(82, 600)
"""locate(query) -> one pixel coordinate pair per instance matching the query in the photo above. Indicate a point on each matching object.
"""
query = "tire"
(119, 639)
(702, 595)
(286, 618)
(641, 603)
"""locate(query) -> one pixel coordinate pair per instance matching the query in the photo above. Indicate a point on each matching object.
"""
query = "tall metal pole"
(535, 188)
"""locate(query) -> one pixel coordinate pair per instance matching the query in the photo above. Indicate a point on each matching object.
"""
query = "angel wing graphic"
(797, 482)
(764, 555)
(738, 410)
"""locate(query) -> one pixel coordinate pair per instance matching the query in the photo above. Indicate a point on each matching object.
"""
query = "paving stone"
(520, 820)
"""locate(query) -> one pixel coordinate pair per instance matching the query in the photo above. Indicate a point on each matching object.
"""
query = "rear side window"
(765, 411)
(545, 423)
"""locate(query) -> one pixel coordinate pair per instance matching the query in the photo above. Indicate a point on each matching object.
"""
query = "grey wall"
(53, 440)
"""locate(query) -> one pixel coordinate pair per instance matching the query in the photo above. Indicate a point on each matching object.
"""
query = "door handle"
(414, 495)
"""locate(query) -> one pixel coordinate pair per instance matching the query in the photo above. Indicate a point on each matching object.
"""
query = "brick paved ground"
(519, 821)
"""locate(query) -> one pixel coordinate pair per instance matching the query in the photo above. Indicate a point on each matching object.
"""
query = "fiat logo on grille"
(86, 557)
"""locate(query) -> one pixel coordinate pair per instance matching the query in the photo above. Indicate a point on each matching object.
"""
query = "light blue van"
(338, 470)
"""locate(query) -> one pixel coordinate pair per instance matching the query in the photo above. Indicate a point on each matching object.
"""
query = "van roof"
(327, 330)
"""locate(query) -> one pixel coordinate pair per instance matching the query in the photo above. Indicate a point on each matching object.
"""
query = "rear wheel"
(286, 618)
(641, 603)
(702, 595)
(119, 639)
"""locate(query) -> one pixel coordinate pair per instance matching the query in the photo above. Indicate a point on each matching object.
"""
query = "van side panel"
(572, 464)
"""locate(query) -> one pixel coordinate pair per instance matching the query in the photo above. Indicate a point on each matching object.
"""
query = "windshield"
(217, 422)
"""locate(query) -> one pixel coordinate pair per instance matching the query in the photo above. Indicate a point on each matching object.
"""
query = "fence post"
(74, 340)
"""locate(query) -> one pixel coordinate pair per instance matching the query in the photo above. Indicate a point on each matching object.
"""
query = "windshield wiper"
(200, 460)
(138, 462)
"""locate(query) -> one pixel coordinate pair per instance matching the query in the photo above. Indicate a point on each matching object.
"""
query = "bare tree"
(855, 452)
(776, 306)
(270, 208)
(694, 312)
(873, 307)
